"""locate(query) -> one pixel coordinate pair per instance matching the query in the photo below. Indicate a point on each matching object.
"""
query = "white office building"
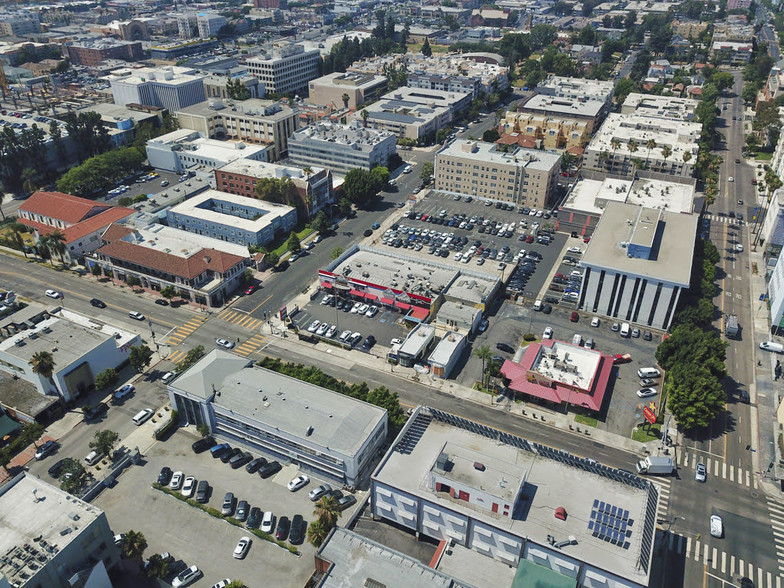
(209, 23)
(637, 264)
(287, 68)
(172, 88)
(184, 149)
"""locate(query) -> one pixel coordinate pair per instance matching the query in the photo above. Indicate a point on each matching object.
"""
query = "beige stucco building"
(551, 132)
(359, 87)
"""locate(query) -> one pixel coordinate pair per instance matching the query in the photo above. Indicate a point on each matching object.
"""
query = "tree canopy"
(361, 186)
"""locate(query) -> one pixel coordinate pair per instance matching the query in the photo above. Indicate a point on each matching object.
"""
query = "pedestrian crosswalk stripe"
(185, 330)
(176, 356)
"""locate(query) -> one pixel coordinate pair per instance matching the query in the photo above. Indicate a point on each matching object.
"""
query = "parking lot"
(148, 186)
(197, 538)
(384, 325)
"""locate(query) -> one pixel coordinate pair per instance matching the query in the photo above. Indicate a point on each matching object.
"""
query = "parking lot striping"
(251, 345)
(183, 332)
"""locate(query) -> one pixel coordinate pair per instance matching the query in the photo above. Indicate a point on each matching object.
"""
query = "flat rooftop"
(170, 75)
(592, 195)
(417, 339)
(546, 479)
(576, 87)
(268, 110)
(568, 364)
(201, 207)
(446, 348)
(669, 107)
(488, 153)
(673, 246)
(264, 169)
(178, 242)
(563, 106)
(679, 136)
(35, 513)
(339, 422)
(112, 113)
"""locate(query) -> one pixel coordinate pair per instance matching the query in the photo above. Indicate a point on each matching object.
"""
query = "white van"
(625, 330)
(772, 346)
(577, 339)
(142, 416)
(93, 457)
(648, 372)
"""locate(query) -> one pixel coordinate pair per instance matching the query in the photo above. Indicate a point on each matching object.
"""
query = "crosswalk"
(250, 345)
(720, 561)
(240, 319)
(176, 356)
(722, 219)
(776, 511)
(184, 331)
(664, 497)
(717, 468)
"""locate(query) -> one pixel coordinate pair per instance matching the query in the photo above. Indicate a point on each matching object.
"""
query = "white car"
(186, 577)
(313, 327)
(327, 299)
(702, 472)
(53, 294)
(595, 321)
(331, 331)
(548, 333)
(143, 416)
(135, 314)
(396, 341)
(646, 392)
(226, 344)
(222, 583)
(372, 311)
(168, 377)
(407, 169)
(716, 526)
(344, 335)
(322, 329)
(363, 308)
(242, 548)
(188, 487)
(176, 481)
(574, 250)
(298, 483)
(124, 391)
(267, 522)
(739, 248)
(355, 308)
(730, 179)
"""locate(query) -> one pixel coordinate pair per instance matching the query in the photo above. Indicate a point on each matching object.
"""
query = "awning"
(419, 313)
(326, 284)
(356, 293)
(402, 305)
(371, 296)
(387, 301)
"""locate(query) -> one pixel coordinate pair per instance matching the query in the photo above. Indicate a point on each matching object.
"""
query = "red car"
(753, 182)
(621, 358)
(529, 239)
(586, 240)
(574, 317)
(251, 289)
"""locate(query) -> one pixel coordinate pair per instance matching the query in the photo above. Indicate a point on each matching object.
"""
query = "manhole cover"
(755, 495)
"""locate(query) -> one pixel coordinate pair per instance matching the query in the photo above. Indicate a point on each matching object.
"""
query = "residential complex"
(736, 52)
(525, 177)
(92, 52)
(543, 131)
(626, 142)
(588, 112)
(583, 89)
(51, 538)
(231, 218)
(669, 107)
(313, 186)
(185, 149)
(413, 113)
(252, 121)
(327, 433)
(172, 88)
(637, 264)
(287, 68)
(358, 87)
(341, 148)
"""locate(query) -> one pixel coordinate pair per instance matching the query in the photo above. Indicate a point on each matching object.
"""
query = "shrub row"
(167, 428)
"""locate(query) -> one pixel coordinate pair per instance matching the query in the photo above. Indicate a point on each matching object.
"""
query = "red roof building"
(79, 220)
(556, 372)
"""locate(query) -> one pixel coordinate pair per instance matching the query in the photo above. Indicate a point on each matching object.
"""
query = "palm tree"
(364, 114)
(485, 355)
(317, 532)
(42, 363)
(666, 151)
(56, 244)
(345, 97)
(615, 144)
(327, 511)
(686, 157)
(17, 229)
(632, 147)
(133, 545)
(651, 144)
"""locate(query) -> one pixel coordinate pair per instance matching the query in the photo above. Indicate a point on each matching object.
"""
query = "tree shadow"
(722, 424)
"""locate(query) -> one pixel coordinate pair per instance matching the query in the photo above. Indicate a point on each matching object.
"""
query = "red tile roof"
(64, 207)
(189, 268)
(517, 139)
(85, 227)
(115, 232)
(575, 150)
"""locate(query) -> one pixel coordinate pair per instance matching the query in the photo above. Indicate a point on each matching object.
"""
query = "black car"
(98, 303)
(547, 309)
(297, 533)
(339, 304)
(254, 518)
(282, 266)
(57, 468)
(367, 232)
(255, 464)
(498, 359)
(270, 468)
(95, 411)
(202, 491)
(162, 302)
(203, 444)
(505, 347)
(370, 340)
(284, 525)
(242, 510)
(336, 494)
(240, 460)
(165, 475)
(228, 455)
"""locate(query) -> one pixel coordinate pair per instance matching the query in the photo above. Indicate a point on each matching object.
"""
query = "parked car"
(57, 468)
(255, 464)
(165, 475)
(242, 510)
(240, 460)
(574, 317)
(203, 444)
(168, 377)
(298, 482)
(186, 577)
(548, 333)
(254, 518)
(228, 455)
(282, 532)
(124, 391)
(701, 473)
(229, 502)
(504, 347)
(646, 392)
(242, 548)
(176, 481)
(268, 522)
(297, 533)
(202, 491)
(318, 492)
(269, 469)
(346, 502)
(46, 449)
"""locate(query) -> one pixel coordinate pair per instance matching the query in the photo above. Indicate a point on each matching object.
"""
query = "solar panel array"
(610, 523)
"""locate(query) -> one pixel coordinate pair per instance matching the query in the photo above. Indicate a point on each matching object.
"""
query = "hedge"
(167, 428)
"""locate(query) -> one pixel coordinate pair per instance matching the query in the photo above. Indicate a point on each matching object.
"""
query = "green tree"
(427, 51)
(133, 545)
(106, 378)
(133, 281)
(344, 206)
(491, 136)
(168, 292)
(336, 252)
(358, 187)
(17, 230)
(42, 363)
(156, 567)
(72, 475)
(722, 80)
(317, 533)
(107, 271)
(386, 399)
(203, 430)
(271, 259)
(293, 243)
(426, 171)
(95, 270)
(190, 358)
(236, 90)
(104, 441)
(140, 357)
(696, 396)
(623, 88)
(320, 223)
(345, 99)
(483, 352)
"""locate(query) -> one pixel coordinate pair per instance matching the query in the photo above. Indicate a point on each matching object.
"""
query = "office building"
(526, 177)
(209, 23)
(172, 88)
(314, 186)
(324, 432)
(231, 218)
(358, 87)
(417, 346)
(341, 148)
(201, 269)
(81, 346)
(287, 68)
(669, 107)
(176, 50)
(19, 24)
(51, 538)
(255, 121)
(92, 52)
(501, 498)
(637, 264)
(185, 149)
(626, 142)
(217, 86)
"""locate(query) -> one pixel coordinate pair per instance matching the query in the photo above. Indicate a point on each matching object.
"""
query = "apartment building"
(548, 132)
(526, 177)
(209, 23)
(287, 68)
(172, 87)
(252, 121)
(360, 88)
(93, 51)
(670, 107)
